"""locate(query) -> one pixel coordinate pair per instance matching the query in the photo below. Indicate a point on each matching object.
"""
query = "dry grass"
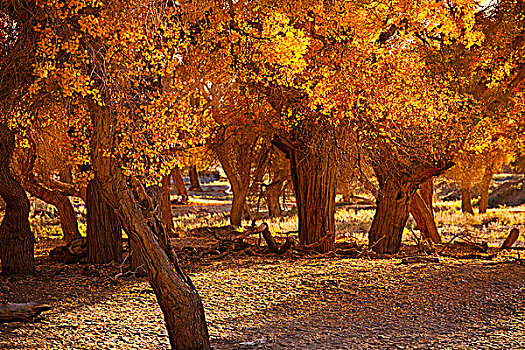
(492, 227)
(212, 209)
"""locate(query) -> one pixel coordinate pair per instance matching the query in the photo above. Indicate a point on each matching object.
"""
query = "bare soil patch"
(283, 303)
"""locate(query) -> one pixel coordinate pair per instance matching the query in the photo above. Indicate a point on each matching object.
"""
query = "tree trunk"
(424, 218)
(176, 295)
(426, 190)
(272, 195)
(421, 210)
(179, 184)
(314, 180)
(484, 187)
(511, 239)
(68, 218)
(391, 215)
(137, 264)
(195, 184)
(16, 239)
(347, 190)
(238, 206)
(104, 231)
(167, 214)
(466, 200)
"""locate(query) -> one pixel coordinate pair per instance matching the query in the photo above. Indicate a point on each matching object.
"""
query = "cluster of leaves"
(411, 77)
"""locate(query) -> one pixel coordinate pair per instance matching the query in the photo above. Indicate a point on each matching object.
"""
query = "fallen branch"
(511, 239)
(267, 235)
(26, 312)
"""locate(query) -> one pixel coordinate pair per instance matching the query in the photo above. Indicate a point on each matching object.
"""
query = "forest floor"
(294, 301)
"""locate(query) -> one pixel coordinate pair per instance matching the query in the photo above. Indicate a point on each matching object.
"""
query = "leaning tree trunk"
(16, 239)
(393, 205)
(104, 231)
(314, 180)
(426, 190)
(176, 295)
(466, 200)
(421, 210)
(68, 218)
(195, 184)
(137, 263)
(484, 187)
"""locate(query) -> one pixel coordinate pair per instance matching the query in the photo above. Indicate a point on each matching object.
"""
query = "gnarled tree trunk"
(104, 231)
(68, 218)
(195, 184)
(466, 200)
(176, 295)
(314, 180)
(393, 206)
(16, 238)
(484, 188)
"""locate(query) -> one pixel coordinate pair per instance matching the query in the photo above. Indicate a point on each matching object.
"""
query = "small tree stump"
(26, 312)
(511, 239)
(267, 235)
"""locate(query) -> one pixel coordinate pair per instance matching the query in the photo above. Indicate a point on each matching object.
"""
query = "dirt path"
(285, 304)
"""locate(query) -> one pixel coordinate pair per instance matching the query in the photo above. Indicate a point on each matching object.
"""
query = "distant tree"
(276, 179)
(243, 155)
(483, 155)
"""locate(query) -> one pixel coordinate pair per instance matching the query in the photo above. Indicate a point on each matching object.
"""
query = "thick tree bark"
(314, 180)
(16, 238)
(104, 231)
(391, 215)
(238, 206)
(68, 218)
(424, 218)
(176, 295)
(167, 214)
(421, 210)
(26, 312)
(466, 200)
(179, 184)
(426, 190)
(484, 188)
(137, 264)
(195, 184)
